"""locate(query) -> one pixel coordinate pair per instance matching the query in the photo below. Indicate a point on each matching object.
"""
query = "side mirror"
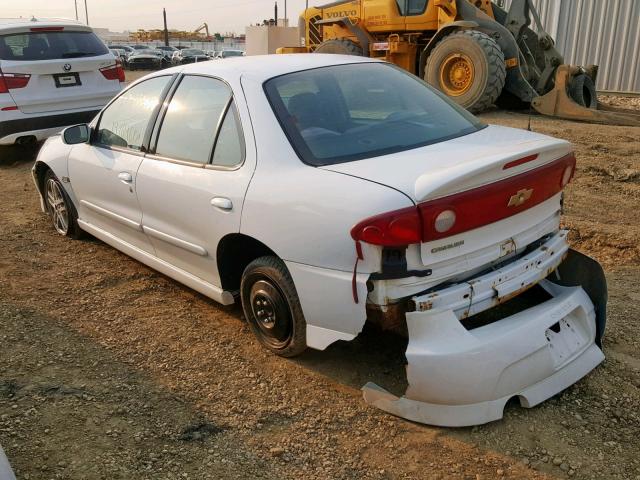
(76, 134)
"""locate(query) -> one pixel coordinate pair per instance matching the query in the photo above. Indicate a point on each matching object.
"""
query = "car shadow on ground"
(373, 356)
(13, 154)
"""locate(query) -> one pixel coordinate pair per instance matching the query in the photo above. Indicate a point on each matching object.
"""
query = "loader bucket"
(558, 103)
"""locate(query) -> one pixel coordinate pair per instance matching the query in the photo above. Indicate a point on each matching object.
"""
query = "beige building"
(262, 40)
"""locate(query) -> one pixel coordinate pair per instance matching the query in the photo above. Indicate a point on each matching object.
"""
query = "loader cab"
(410, 8)
(399, 15)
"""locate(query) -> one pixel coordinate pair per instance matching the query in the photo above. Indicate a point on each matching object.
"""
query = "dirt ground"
(109, 370)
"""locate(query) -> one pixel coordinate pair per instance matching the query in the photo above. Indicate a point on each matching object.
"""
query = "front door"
(103, 173)
(191, 188)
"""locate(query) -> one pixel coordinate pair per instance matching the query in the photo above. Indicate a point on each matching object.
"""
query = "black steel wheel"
(272, 308)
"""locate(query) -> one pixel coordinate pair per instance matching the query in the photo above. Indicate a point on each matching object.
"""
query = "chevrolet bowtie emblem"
(520, 197)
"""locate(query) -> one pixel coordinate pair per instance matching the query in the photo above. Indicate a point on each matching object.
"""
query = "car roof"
(13, 25)
(264, 67)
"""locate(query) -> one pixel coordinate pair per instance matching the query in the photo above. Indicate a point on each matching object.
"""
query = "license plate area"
(67, 80)
(565, 339)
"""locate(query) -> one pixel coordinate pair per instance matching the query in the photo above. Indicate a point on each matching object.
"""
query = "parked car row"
(145, 57)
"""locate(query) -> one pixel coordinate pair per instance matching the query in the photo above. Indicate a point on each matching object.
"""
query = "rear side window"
(124, 122)
(229, 149)
(50, 45)
(196, 111)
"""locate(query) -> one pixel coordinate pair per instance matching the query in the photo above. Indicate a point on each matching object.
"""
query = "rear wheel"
(272, 308)
(340, 46)
(468, 66)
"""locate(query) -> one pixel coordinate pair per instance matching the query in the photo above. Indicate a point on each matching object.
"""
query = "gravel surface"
(110, 370)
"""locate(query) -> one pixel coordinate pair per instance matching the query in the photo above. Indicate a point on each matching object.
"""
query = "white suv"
(53, 73)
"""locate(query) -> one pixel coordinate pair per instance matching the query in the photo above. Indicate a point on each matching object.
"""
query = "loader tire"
(467, 66)
(583, 91)
(340, 46)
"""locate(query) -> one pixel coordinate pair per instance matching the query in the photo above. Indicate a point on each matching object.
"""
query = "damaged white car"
(322, 190)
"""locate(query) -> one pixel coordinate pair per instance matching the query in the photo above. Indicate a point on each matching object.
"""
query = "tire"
(272, 308)
(468, 66)
(60, 209)
(340, 46)
(583, 91)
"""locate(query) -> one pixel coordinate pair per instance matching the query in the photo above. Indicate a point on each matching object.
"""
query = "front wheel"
(59, 207)
(272, 308)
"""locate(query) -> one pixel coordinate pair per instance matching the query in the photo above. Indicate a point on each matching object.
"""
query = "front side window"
(124, 122)
(350, 112)
(50, 45)
(188, 130)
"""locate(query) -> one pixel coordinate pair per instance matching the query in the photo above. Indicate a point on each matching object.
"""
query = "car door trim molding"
(112, 215)
(175, 241)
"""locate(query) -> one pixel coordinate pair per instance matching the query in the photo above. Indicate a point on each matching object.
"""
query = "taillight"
(496, 201)
(445, 221)
(467, 210)
(393, 229)
(567, 175)
(12, 81)
(114, 72)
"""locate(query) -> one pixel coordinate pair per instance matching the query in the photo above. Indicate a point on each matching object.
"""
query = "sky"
(118, 15)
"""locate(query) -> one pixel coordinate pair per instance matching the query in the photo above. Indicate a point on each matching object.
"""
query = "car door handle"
(125, 177)
(222, 203)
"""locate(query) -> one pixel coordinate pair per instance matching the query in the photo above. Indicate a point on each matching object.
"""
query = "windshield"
(192, 52)
(231, 53)
(157, 53)
(349, 112)
(50, 45)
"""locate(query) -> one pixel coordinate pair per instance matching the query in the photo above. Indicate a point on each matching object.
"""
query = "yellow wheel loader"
(474, 51)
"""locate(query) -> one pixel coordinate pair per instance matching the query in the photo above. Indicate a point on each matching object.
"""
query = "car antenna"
(529, 119)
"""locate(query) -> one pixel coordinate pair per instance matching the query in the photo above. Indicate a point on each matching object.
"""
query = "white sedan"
(321, 191)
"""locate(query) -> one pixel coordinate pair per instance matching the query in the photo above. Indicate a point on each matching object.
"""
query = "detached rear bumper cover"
(460, 377)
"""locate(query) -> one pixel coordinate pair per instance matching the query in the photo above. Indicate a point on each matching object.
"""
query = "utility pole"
(86, 11)
(76, 4)
(276, 13)
(286, 23)
(166, 32)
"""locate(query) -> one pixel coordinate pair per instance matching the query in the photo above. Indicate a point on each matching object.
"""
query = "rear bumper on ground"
(41, 126)
(460, 377)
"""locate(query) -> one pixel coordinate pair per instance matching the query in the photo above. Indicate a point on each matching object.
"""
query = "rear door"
(64, 67)
(103, 173)
(192, 189)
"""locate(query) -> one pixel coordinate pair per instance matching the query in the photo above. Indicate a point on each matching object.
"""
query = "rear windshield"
(50, 45)
(349, 112)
